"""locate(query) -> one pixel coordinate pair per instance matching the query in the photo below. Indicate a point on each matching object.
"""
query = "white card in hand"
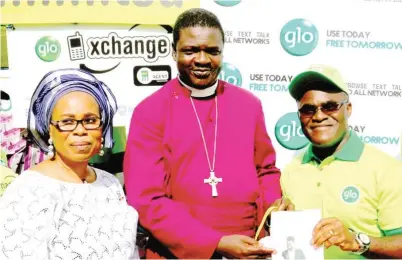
(292, 232)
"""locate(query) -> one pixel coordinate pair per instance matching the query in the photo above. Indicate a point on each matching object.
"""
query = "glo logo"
(299, 37)
(350, 194)
(47, 48)
(227, 2)
(288, 132)
(231, 74)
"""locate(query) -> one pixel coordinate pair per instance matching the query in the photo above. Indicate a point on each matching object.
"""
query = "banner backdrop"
(267, 44)
(93, 11)
(132, 61)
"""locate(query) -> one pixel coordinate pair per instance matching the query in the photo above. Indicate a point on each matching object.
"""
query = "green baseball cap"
(319, 72)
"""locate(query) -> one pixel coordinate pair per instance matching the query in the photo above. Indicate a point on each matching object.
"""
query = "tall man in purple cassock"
(199, 165)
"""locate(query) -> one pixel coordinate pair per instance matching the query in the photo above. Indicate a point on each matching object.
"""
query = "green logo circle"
(350, 194)
(231, 74)
(47, 48)
(288, 132)
(227, 3)
(299, 37)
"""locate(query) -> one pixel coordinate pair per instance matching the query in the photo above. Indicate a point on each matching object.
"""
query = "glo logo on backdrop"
(231, 74)
(47, 48)
(299, 37)
(227, 2)
(288, 132)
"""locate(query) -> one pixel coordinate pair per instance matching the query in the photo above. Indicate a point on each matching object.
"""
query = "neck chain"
(84, 181)
(211, 166)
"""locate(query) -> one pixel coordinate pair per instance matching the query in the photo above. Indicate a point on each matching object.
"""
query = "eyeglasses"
(328, 108)
(69, 124)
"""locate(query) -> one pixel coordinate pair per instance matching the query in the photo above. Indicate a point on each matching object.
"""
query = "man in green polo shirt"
(357, 187)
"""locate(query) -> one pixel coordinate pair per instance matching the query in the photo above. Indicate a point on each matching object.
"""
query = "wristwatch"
(363, 240)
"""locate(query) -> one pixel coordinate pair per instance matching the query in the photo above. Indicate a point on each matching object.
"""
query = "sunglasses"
(327, 108)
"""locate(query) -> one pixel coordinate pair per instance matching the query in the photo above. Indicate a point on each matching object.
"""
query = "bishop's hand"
(242, 247)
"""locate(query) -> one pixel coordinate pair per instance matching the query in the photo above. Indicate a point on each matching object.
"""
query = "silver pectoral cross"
(213, 181)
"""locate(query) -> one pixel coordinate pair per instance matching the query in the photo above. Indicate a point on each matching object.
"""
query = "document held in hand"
(291, 235)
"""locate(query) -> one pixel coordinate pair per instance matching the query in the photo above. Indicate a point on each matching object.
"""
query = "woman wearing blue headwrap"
(62, 208)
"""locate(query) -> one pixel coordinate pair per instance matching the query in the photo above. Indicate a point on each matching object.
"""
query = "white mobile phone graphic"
(76, 46)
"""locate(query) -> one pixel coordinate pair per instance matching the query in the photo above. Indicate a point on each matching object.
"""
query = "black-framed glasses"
(70, 124)
(327, 108)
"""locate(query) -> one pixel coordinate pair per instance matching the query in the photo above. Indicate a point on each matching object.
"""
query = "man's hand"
(284, 204)
(332, 232)
(240, 247)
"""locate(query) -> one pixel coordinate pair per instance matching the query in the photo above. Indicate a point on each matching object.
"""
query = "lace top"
(44, 218)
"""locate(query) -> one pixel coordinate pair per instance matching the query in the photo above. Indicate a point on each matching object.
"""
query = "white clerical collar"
(200, 93)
